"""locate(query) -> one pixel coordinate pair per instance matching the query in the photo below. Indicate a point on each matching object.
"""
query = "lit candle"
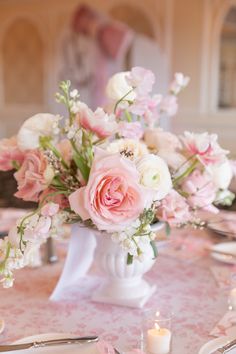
(158, 340)
(232, 299)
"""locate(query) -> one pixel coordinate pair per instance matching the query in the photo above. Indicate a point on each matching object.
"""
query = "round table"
(184, 286)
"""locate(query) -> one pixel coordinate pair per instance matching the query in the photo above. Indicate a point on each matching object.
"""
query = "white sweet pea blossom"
(180, 82)
(42, 124)
(221, 174)
(154, 174)
(117, 87)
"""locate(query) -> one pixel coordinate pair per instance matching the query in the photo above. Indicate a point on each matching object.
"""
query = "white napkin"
(78, 261)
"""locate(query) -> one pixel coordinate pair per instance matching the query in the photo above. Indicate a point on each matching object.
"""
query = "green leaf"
(154, 248)
(130, 258)
(167, 229)
(84, 169)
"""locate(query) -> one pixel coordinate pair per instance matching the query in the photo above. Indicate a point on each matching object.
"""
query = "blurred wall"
(187, 30)
(43, 22)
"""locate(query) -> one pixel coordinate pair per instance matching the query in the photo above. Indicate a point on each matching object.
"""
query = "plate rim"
(212, 341)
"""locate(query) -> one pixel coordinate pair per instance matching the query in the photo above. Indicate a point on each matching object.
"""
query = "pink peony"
(9, 152)
(173, 209)
(113, 197)
(141, 79)
(169, 105)
(50, 209)
(33, 177)
(205, 147)
(131, 130)
(201, 191)
(98, 122)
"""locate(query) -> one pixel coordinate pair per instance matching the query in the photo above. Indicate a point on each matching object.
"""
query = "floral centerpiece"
(113, 169)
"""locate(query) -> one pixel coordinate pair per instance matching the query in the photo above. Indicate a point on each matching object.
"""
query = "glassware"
(232, 293)
(156, 332)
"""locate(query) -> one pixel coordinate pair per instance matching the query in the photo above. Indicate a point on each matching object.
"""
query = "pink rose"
(50, 209)
(141, 79)
(9, 152)
(33, 177)
(173, 209)
(205, 147)
(98, 122)
(201, 191)
(131, 130)
(169, 105)
(113, 197)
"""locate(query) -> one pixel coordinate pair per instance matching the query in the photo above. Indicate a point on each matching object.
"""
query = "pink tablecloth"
(184, 286)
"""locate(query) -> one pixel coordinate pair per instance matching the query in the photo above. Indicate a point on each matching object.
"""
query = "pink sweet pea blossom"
(98, 122)
(145, 103)
(201, 191)
(205, 146)
(113, 197)
(65, 149)
(132, 130)
(9, 152)
(34, 176)
(50, 209)
(159, 139)
(173, 209)
(141, 80)
(169, 105)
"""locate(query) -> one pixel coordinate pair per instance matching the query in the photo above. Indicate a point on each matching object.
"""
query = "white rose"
(41, 124)
(154, 174)
(117, 87)
(221, 174)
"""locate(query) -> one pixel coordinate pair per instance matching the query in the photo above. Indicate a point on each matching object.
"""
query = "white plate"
(89, 348)
(224, 247)
(211, 346)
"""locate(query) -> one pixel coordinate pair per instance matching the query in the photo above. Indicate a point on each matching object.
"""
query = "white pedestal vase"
(123, 284)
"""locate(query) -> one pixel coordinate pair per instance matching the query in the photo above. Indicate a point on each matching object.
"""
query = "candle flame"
(157, 326)
(157, 314)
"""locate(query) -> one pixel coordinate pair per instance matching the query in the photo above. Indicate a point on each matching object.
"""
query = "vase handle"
(78, 261)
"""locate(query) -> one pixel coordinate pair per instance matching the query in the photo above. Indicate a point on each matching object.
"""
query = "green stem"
(46, 144)
(122, 99)
(128, 116)
(2, 264)
(185, 173)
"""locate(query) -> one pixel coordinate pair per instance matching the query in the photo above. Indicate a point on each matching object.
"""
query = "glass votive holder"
(232, 293)
(156, 332)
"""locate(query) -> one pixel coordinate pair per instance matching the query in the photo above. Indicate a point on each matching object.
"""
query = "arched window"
(227, 87)
(22, 57)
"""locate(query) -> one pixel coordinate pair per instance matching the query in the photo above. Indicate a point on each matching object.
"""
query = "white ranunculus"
(154, 174)
(117, 87)
(221, 174)
(131, 148)
(41, 124)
